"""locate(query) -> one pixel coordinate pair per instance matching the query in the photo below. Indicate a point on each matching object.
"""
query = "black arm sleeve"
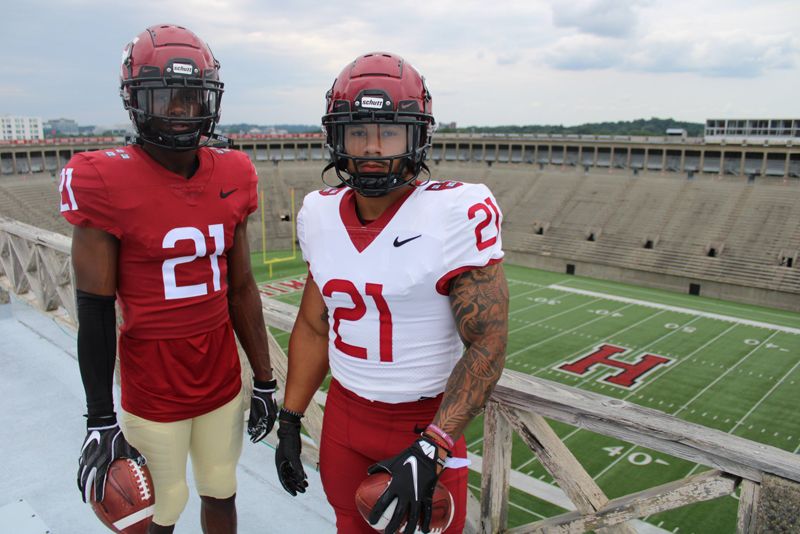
(97, 340)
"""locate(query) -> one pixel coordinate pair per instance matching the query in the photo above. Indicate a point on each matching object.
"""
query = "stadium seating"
(721, 229)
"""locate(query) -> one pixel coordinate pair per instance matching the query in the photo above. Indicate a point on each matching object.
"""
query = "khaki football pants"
(214, 441)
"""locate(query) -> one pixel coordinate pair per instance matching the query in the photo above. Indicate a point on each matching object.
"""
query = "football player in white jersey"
(406, 303)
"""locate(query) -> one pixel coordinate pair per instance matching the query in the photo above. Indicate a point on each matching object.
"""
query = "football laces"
(141, 481)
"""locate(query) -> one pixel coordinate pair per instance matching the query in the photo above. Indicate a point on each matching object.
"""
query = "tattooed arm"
(308, 350)
(479, 300)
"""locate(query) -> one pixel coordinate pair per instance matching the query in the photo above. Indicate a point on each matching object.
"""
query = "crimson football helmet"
(170, 87)
(384, 91)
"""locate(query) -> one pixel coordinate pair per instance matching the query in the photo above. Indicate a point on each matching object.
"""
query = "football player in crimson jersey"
(406, 303)
(161, 227)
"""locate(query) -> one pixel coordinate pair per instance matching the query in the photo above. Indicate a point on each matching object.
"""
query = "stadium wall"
(679, 284)
(621, 192)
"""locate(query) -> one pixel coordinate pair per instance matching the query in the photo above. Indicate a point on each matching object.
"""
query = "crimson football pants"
(357, 432)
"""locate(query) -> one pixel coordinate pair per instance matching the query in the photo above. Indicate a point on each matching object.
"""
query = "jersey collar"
(361, 235)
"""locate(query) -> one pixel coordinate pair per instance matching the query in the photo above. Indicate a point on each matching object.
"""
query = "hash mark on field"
(551, 316)
(723, 375)
(685, 405)
(678, 309)
(763, 398)
(529, 347)
(675, 365)
(650, 294)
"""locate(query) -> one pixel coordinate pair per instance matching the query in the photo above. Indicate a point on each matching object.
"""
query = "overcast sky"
(486, 63)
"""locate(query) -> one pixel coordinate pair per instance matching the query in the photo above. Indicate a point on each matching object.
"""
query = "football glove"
(287, 455)
(104, 443)
(414, 473)
(263, 410)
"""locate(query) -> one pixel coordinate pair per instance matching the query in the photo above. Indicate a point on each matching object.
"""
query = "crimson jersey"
(392, 335)
(174, 234)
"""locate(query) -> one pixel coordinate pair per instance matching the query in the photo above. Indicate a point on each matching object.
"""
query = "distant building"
(20, 128)
(752, 130)
(55, 127)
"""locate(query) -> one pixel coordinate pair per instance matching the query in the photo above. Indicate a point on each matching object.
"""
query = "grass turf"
(724, 373)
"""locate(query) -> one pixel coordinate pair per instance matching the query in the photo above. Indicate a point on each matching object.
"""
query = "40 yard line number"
(635, 458)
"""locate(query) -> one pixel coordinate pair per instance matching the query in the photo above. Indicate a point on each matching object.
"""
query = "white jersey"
(392, 336)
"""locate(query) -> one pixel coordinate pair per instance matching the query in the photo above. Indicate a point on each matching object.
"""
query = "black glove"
(104, 443)
(263, 410)
(414, 473)
(287, 455)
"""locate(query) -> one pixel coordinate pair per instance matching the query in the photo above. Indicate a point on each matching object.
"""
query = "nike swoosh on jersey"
(226, 194)
(412, 461)
(399, 243)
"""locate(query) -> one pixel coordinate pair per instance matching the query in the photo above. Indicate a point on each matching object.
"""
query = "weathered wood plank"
(559, 461)
(36, 235)
(748, 505)
(697, 488)
(644, 426)
(473, 523)
(278, 314)
(49, 296)
(57, 264)
(312, 421)
(496, 470)
(13, 265)
(581, 489)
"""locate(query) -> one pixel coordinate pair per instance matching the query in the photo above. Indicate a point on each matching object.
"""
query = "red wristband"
(433, 429)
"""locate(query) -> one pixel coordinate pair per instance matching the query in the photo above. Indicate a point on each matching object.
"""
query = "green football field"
(732, 367)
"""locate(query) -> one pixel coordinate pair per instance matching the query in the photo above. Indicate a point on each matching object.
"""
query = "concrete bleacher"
(720, 229)
(34, 199)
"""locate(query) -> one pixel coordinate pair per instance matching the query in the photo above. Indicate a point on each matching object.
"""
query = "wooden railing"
(520, 402)
(36, 266)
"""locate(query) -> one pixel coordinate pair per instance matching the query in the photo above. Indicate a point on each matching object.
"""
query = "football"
(370, 490)
(127, 506)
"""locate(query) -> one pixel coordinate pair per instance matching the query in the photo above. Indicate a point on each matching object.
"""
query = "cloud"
(725, 54)
(7, 91)
(722, 54)
(606, 18)
(584, 52)
(554, 61)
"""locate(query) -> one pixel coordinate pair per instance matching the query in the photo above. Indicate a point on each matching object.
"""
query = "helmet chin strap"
(181, 142)
(357, 181)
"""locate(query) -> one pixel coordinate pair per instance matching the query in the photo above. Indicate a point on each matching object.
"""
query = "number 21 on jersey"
(189, 233)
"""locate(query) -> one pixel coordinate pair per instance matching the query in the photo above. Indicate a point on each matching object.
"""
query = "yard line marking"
(680, 361)
(584, 349)
(592, 374)
(604, 340)
(525, 282)
(534, 514)
(679, 309)
(767, 394)
(515, 505)
(528, 292)
(551, 316)
(615, 462)
(723, 375)
(679, 410)
(560, 333)
(648, 293)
